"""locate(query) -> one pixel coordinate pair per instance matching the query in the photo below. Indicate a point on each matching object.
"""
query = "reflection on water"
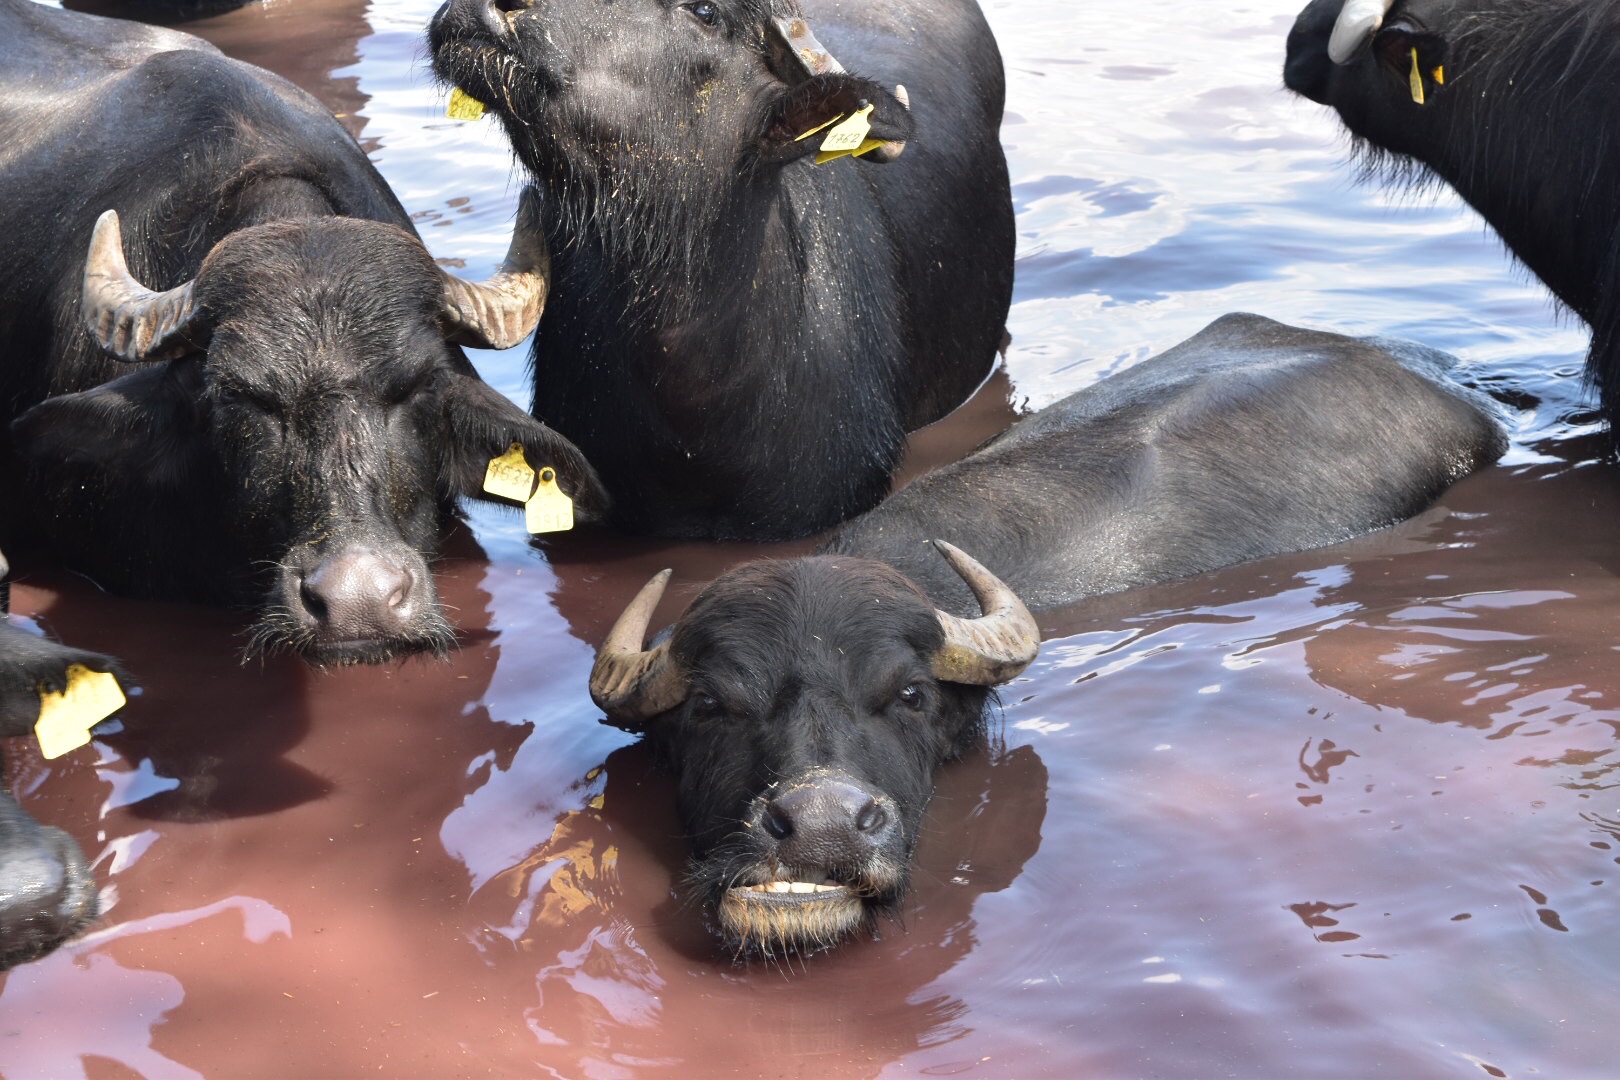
(1352, 812)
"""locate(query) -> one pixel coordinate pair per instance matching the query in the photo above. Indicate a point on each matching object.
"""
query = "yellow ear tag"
(847, 137)
(1416, 79)
(463, 106)
(549, 510)
(1439, 75)
(65, 719)
(818, 127)
(509, 475)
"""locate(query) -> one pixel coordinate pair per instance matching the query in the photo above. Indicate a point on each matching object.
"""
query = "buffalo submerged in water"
(805, 705)
(738, 338)
(250, 391)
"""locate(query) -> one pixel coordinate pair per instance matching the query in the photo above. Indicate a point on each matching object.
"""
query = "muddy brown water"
(1338, 814)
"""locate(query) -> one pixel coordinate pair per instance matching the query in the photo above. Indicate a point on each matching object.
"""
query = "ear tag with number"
(550, 510)
(847, 137)
(65, 718)
(463, 106)
(509, 475)
(1416, 79)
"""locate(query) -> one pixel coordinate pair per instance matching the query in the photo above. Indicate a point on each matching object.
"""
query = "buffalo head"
(1382, 63)
(641, 112)
(804, 707)
(298, 421)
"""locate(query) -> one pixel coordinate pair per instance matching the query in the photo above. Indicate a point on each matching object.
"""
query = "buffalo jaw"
(818, 859)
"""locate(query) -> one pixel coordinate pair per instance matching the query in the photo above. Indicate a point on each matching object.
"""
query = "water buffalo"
(1505, 100)
(805, 705)
(46, 892)
(738, 339)
(250, 390)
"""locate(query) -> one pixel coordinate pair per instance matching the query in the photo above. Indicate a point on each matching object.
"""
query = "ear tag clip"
(65, 718)
(848, 138)
(1438, 75)
(509, 475)
(1416, 79)
(463, 106)
(550, 510)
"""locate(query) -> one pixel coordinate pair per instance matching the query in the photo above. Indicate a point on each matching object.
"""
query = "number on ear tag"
(849, 135)
(550, 510)
(463, 106)
(509, 475)
(65, 718)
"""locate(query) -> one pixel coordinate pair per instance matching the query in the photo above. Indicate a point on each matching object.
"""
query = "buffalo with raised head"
(1508, 102)
(250, 391)
(805, 705)
(47, 894)
(738, 339)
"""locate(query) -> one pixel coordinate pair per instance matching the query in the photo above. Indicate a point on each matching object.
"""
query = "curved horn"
(810, 55)
(627, 681)
(125, 317)
(1358, 21)
(505, 309)
(997, 645)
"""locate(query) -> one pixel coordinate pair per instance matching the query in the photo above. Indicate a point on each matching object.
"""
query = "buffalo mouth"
(803, 913)
(277, 633)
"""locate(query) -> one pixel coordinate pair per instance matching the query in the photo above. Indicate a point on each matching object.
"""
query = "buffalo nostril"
(509, 6)
(360, 593)
(872, 817)
(777, 822)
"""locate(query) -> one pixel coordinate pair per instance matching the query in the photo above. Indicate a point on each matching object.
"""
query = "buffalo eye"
(705, 705)
(704, 12)
(911, 696)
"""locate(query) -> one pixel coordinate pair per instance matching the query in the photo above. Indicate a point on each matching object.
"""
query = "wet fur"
(1523, 130)
(738, 340)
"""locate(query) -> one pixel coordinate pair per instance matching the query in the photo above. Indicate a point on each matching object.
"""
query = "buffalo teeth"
(792, 887)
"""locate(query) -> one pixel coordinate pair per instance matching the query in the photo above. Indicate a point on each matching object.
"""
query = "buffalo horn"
(811, 55)
(125, 317)
(503, 310)
(1358, 21)
(629, 682)
(996, 646)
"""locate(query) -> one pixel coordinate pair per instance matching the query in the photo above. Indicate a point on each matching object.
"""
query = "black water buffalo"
(1509, 102)
(249, 391)
(46, 892)
(738, 339)
(805, 705)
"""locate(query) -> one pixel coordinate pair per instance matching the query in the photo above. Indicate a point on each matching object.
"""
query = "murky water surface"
(1347, 813)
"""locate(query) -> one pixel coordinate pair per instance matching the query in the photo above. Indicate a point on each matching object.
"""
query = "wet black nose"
(46, 892)
(827, 822)
(360, 594)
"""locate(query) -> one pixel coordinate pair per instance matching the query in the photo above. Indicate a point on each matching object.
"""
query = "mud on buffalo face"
(804, 707)
(299, 422)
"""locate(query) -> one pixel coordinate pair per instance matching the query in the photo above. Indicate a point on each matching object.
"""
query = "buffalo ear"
(137, 429)
(481, 424)
(821, 99)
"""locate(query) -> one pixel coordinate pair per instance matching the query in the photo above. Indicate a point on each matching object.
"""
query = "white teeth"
(792, 887)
